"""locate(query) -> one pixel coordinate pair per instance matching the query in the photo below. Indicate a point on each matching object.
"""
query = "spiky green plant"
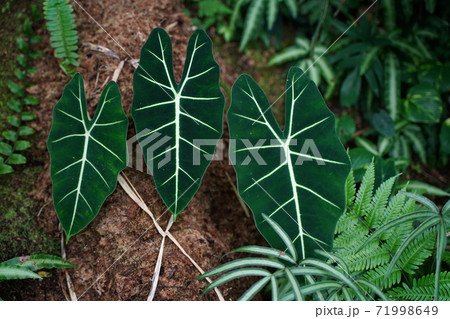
(292, 279)
(63, 36)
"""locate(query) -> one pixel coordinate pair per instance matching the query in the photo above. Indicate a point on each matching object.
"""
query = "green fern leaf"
(368, 258)
(364, 194)
(347, 221)
(352, 237)
(423, 289)
(419, 250)
(446, 257)
(63, 36)
(377, 276)
(350, 188)
(394, 209)
(378, 203)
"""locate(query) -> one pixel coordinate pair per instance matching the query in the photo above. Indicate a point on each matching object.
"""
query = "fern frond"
(396, 236)
(446, 257)
(353, 236)
(63, 36)
(347, 221)
(364, 194)
(350, 188)
(394, 209)
(375, 214)
(419, 250)
(423, 289)
(377, 276)
(368, 258)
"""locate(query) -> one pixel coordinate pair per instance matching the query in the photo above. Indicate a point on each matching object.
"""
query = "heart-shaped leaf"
(86, 155)
(178, 124)
(295, 176)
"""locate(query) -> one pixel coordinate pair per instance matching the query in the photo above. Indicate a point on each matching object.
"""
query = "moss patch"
(20, 233)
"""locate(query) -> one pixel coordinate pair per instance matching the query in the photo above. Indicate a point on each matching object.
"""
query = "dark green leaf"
(423, 104)
(5, 149)
(16, 88)
(345, 127)
(383, 123)
(25, 131)
(422, 188)
(26, 27)
(31, 100)
(444, 137)
(37, 262)
(10, 135)
(15, 105)
(27, 116)
(31, 70)
(253, 20)
(22, 60)
(22, 145)
(22, 45)
(14, 121)
(259, 250)
(19, 74)
(254, 289)
(367, 145)
(430, 5)
(16, 159)
(392, 85)
(15, 272)
(368, 59)
(423, 200)
(351, 88)
(86, 155)
(242, 263)
(35, 39)
(360, 159)
(304, 156)
(239, 273)
(5, 169)
(178, 124)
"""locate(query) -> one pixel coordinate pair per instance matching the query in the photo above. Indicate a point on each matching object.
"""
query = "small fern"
(422, 289)
(398, 238)
(364, 213)
(390, 259)
(63, 36)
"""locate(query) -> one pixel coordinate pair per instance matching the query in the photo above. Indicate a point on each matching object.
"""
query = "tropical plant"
(393, 254)
(25, 267)
(431, 232)
(306, 152)
(192, 120)
(86, 154)
(262, 18)
(309, 58)
(388, 75)
(292, 279)
(183, 114)
(63, 35)
(14, 138)
(210, 12)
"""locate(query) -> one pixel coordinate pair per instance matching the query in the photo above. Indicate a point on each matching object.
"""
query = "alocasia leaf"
(86, 154)
(296, 176)
(177, 124)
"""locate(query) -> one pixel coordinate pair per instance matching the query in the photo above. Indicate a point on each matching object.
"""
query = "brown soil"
(212, 224)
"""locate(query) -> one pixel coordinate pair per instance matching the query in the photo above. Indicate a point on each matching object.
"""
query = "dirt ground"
(212, 224)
